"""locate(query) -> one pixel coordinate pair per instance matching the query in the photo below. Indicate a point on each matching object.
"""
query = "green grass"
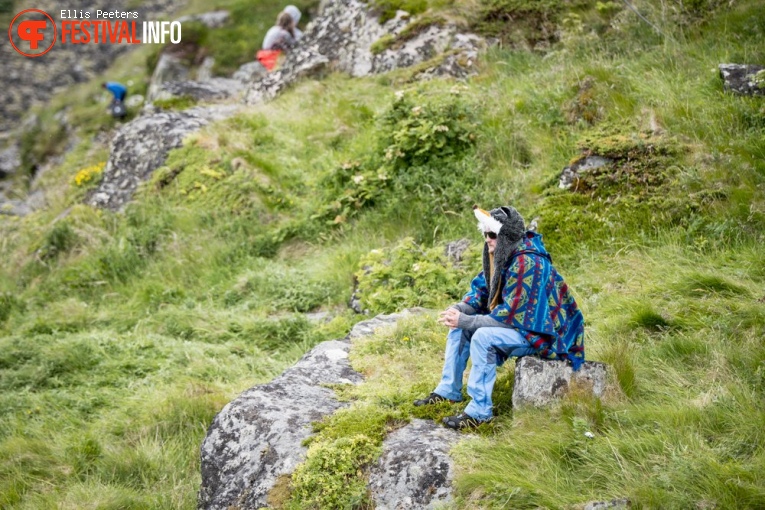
(121, 335)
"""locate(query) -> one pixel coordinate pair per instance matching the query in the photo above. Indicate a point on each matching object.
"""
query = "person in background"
(279, 38)
(294, 13)
(119, 91)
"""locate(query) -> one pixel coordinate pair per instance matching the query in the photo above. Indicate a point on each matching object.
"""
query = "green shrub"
(332, 475)
(420, 165)
(408, 275)
(420, 131)
(59, 239)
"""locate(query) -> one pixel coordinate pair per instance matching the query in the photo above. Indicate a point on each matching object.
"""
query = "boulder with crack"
(258, 437)
(540, 382)
(141, 146)
(415, 470)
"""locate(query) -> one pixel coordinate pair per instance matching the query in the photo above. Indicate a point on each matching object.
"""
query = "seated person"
(294, 13)
(279, 38)
(517, 306)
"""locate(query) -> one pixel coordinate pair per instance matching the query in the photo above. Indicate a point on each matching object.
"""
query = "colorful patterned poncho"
(535, 301)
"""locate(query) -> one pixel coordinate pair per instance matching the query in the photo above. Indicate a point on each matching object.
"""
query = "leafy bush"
(416, 131)
(332, 475)
(408, 275)
(419, 163)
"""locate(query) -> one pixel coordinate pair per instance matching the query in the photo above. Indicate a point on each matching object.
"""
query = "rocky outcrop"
(212, 90)
(141, 146)
(179, 64)
(540, 382)
(415, 470)
(212, 19)
(258, 437)
(570, 176)
(10, 160)
(745, 80)
(341, 39)
(26, 82)
(250, 72)
(21, 207)
(170, 68)
(614, 504)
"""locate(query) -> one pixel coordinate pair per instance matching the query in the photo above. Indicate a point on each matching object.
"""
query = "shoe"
(433, 398)
(463, 421)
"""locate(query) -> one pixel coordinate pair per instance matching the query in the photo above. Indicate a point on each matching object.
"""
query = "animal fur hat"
(509, 226)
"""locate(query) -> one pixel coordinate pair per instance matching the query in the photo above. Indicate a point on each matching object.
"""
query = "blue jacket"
(118, 89)
(535, 301)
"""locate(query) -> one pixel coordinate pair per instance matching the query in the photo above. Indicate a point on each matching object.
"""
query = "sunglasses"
(490, 235)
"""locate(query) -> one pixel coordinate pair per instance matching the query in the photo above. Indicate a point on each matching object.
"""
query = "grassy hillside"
(121, 335)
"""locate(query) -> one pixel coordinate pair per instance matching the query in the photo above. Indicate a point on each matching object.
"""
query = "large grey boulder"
(259, 436)
(540, 382)
(341, 38)
(141, 146)
(745, 80)
(415, 470)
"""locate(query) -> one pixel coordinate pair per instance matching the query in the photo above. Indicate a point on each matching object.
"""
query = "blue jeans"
(481, 345)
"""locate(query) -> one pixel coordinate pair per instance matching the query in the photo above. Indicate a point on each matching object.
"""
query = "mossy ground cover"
(123, 334)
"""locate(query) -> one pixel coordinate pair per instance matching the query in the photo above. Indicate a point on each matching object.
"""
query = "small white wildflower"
(358, 178)
(589, 435)
(441, 127)
(416, 110)
(399, 94)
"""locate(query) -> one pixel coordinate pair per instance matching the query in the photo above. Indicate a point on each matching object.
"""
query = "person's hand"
(449, 317)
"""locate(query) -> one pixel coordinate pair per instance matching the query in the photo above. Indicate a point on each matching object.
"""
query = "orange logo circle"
(33, 31)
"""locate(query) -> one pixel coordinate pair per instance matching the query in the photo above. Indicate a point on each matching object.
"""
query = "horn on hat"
(485, 221)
